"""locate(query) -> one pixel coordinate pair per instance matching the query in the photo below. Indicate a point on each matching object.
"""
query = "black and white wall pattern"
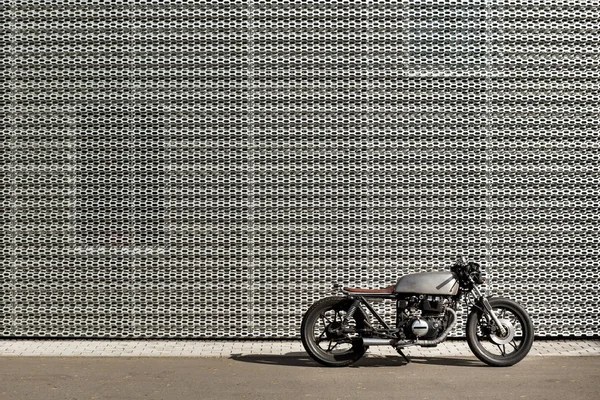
(209, 169)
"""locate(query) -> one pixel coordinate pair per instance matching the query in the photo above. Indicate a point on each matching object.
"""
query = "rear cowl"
(434, 283)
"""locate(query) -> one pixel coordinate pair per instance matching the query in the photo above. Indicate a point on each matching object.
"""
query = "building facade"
(209, 169)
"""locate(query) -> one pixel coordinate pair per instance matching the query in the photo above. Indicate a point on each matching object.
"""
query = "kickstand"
(399, 350)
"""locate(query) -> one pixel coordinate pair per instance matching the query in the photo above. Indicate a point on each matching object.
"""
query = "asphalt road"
(294, 376)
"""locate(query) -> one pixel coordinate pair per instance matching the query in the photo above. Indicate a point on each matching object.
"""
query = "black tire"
(317, 319)
(484, 343)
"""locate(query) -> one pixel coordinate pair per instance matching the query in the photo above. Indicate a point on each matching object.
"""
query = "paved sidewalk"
(227, 348)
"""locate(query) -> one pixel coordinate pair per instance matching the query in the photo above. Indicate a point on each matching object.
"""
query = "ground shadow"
(450, 361)
(302, 359)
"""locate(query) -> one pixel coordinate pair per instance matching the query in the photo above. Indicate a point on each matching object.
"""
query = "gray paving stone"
(162, 348)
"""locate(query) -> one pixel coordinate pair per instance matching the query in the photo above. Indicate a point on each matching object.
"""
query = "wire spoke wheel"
(500, 347)
(326, 335)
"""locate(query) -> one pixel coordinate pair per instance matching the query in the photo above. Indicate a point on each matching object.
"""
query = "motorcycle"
(337, 331)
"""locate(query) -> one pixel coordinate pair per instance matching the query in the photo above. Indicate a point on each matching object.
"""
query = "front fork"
(486, 304)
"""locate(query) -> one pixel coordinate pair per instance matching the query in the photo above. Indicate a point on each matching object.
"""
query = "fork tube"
(488, 308)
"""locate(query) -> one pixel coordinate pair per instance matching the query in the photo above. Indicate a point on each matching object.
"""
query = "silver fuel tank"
(435, 283)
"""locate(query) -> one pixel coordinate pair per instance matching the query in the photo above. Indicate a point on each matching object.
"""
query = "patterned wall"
(210, 168)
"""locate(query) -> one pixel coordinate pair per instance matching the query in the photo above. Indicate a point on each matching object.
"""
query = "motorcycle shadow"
(301, 359)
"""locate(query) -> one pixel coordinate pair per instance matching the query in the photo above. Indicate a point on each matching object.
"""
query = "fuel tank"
(436, 283)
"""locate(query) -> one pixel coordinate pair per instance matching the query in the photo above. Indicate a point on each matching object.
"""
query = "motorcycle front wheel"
(327, 338)
(494, 348)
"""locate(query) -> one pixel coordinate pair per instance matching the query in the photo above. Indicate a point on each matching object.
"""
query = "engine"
(422, 317)
(424, 328)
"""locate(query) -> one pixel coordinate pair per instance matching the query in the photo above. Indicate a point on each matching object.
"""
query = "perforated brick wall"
(209, 169)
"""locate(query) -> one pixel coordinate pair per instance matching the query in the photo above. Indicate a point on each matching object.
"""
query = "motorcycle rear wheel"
(322, 337)
(490, 346)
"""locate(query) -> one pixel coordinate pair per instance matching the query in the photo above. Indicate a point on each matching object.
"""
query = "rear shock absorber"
(351, 311)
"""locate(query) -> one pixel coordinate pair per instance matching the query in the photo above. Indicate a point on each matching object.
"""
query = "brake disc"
(510, 333)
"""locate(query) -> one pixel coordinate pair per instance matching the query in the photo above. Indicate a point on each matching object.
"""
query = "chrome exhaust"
(443, 336)
(378, 342)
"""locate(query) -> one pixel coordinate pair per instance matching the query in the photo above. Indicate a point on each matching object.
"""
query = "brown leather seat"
(386, 290)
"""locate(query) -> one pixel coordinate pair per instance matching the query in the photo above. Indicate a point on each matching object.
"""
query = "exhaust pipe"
(443, 336)
(400, 343)
(378, 342)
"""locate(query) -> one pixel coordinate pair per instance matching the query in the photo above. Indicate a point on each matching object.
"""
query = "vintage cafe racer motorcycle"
(337, 331)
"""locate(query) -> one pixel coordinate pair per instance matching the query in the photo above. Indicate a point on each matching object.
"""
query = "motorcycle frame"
(360, 299)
